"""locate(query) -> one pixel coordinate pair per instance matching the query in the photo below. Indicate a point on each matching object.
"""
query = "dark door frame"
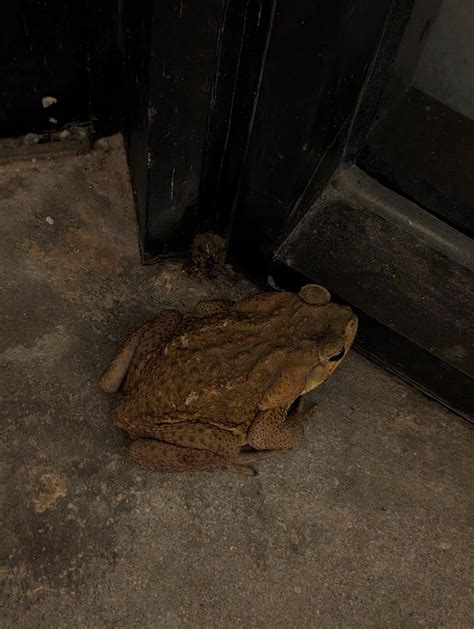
(260, 129)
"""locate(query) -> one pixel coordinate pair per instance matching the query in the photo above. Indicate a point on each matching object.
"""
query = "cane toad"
(217, 388)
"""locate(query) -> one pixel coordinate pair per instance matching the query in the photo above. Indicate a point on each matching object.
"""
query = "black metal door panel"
(275, 123)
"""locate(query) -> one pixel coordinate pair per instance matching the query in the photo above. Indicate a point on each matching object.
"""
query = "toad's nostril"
(337, 356)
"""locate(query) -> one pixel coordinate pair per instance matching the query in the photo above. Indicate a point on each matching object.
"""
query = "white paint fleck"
(271, 282)
(191, 397)
(172, 186)
(47, 101)
(49, 220)
(151, 113)
(53, 120)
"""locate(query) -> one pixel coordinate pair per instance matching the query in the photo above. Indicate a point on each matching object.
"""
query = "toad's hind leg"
(166, 457)
(213, 307)
(148, 338)
(273, 430)
(189, 446)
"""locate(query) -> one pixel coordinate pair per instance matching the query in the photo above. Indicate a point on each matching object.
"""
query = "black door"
(367, 191)
(301, 137)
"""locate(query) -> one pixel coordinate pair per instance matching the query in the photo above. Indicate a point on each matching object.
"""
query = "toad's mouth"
(295, 406)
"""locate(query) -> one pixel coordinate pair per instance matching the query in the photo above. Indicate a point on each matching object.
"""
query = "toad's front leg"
(272, 429)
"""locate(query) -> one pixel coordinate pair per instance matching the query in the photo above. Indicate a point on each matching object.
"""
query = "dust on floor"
(369, 523)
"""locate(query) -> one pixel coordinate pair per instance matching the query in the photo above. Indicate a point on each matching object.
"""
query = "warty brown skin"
(212, 389)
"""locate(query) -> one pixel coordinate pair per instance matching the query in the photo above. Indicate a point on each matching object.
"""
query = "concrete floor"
(369, 524)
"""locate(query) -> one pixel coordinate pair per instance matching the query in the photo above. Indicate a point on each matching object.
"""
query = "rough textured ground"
(369, 524)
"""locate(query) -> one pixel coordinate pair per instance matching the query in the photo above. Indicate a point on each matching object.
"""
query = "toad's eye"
(337, 356)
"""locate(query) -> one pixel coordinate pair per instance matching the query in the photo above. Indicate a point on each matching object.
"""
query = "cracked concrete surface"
(368, 524)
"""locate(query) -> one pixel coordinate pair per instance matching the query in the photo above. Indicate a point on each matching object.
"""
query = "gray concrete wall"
(446, 67)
